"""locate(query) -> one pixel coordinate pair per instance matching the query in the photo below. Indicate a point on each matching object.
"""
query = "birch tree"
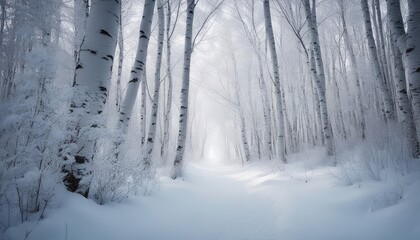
(120, 62)
(320, 82)
(373, 53)
(91, 81)
(143, 110)
(155, 101)
(405, 113)
(354, 71)
(168, 108)
(251, 32)
(81, 13)
(137, 71)
(412, 56)
(183, 117)
(242, 124)
(278, 92)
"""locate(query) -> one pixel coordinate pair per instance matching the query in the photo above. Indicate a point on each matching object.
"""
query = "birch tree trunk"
(120, 63)
(245, 144)
(377, 21)
(278, 93)
(405, 113)
(137, 71)
(155, 102)
(81, 13)
(397, 24)
(354, 72)
(320, 82)
(167, 114)
(92, 78)
(266, 106)
(383, 87)
(143, 108)
(183, 117)
(412, 56)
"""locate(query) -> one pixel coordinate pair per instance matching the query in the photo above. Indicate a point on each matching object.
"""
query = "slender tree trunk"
(412, 56)
(120, 63)
(183, 117)
(320, 83)
(81, 13)
(245, 144)
(278, 93)
(143, 108)
(2, 24)
(266, 107)
(397, 24)
(377, 20)
(155, 102)
(383, 87)
(168, 109)
(404, 107)
(354, 72)
(137, 71)
(405, 112)
(92, 78)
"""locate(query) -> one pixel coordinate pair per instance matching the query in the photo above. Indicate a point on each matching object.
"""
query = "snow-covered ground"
(216, 201)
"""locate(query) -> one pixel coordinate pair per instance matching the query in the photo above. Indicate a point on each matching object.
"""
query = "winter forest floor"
(217, 201)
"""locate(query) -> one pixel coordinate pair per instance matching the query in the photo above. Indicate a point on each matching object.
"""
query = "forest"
(210, 119)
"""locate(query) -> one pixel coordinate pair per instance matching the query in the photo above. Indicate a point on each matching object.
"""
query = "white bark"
(397, 24)
(320, 82)
(139, 65)
(155, 101)
(315, 93)
(412, 56)
(81, 13)
(143, 108)
(183, 117)
(278, 93)
(405, 113)
(120, 63)
(383, 87)
(168, 109)
(380, 41)
(92, 78)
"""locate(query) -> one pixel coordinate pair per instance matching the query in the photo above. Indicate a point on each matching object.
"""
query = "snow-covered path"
(234, 202)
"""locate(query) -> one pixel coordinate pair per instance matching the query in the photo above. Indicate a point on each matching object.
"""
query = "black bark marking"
(409, 50)
(134, 80)
(105, 33)
(72, 183)
(80, 159)
(79, 66)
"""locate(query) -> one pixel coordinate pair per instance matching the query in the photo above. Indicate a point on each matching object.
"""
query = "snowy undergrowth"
(370, 194)
(382, 156)
(215, 201)
(30, 127)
